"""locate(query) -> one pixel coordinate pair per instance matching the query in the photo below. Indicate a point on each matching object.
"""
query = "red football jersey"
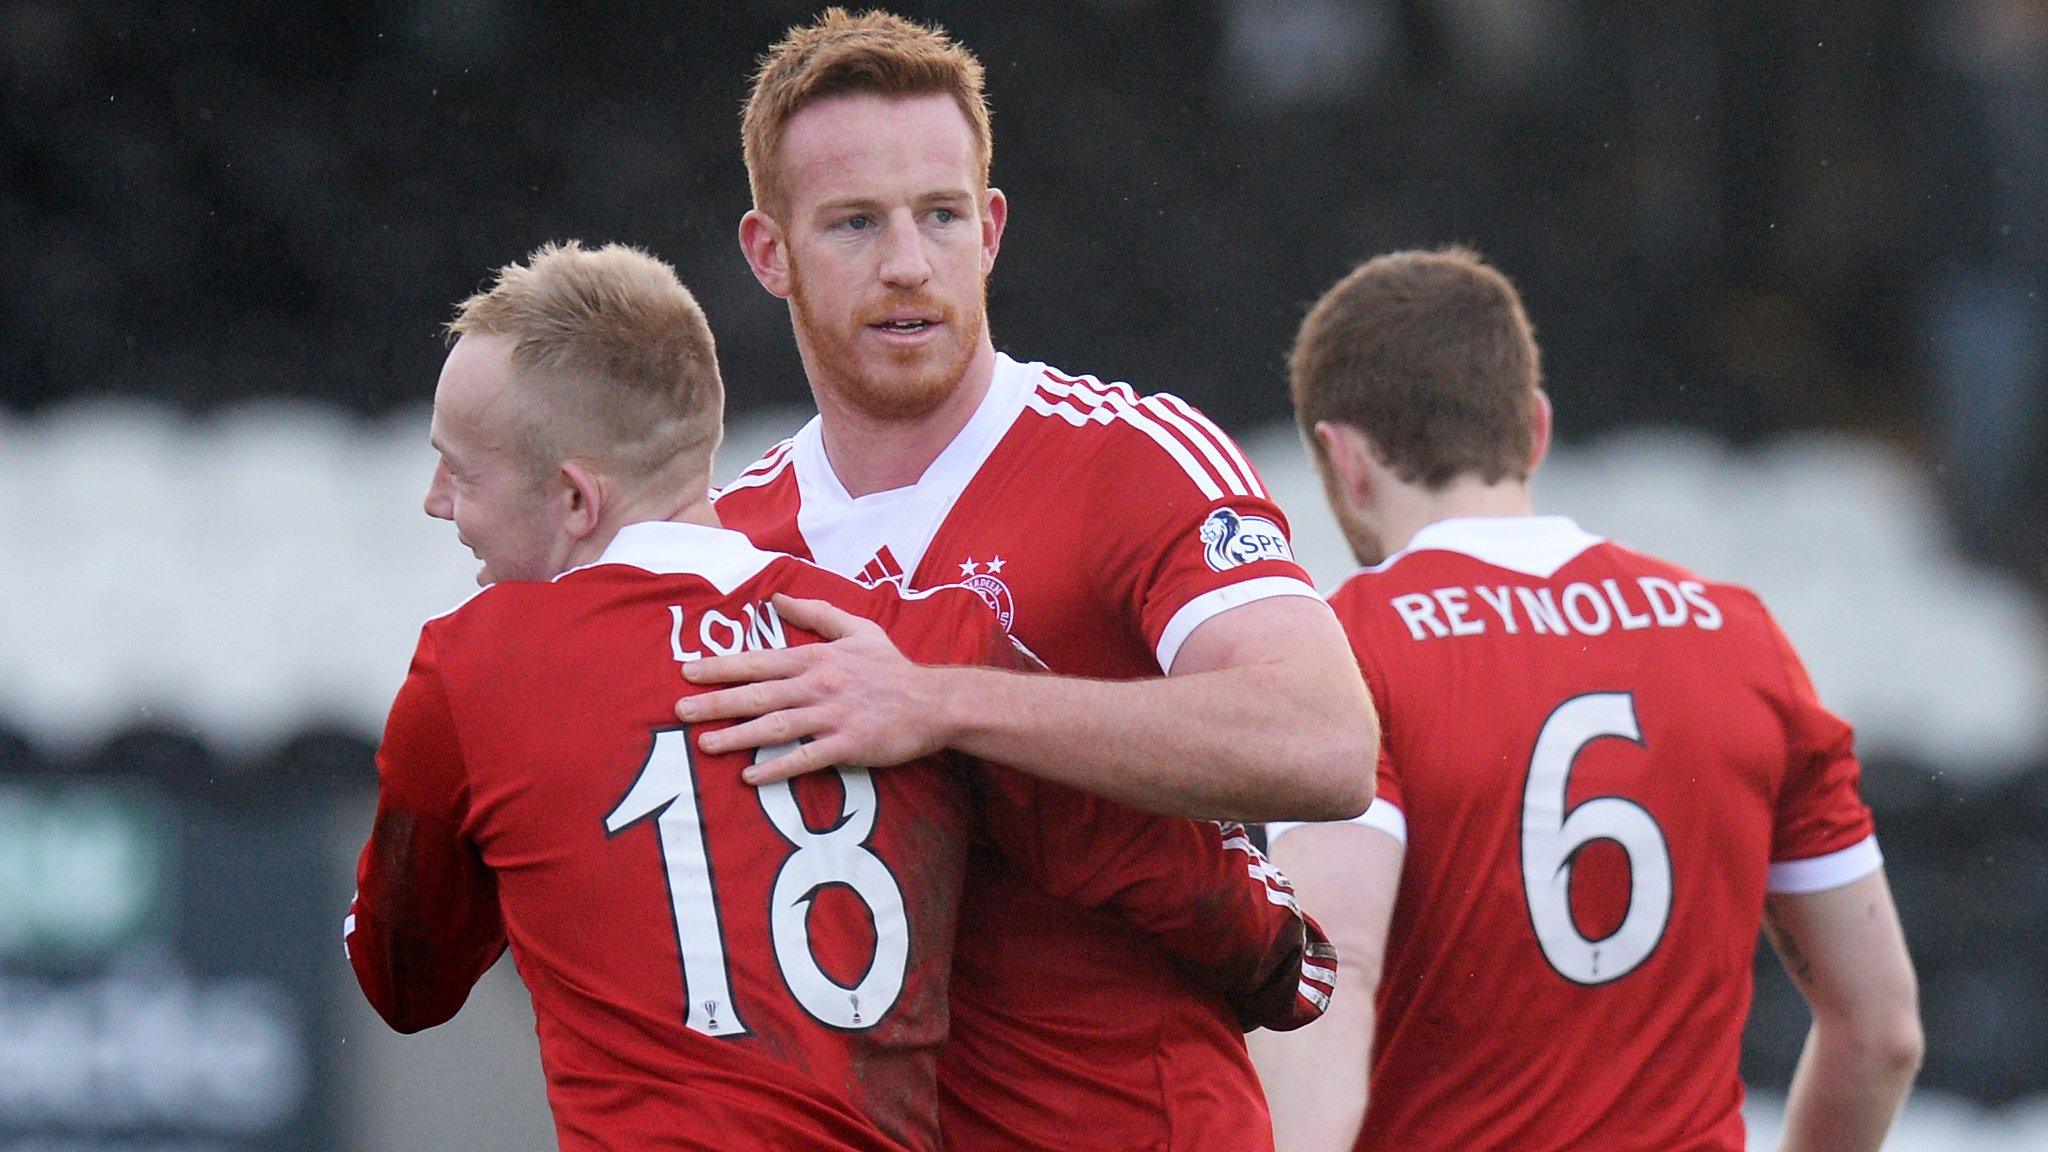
(715, 966)
(1599, 764)
(1103, 528)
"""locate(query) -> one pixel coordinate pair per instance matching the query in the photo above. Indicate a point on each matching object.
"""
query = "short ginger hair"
(841, 54)
(1432, 357)
(617, 347)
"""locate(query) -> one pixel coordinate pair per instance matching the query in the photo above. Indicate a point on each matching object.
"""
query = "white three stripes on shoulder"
(1087, 400)
(764, 470)
(1106, 402)
(1210, 432)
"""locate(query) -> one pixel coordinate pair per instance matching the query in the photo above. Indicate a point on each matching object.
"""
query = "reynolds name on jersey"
(1578, 609)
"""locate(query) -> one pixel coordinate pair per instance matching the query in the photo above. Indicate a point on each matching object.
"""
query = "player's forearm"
(1316, 1077)
(1252, 743)
(1844, 948)
(1851, 1080)
(413, 982)
(424, 926)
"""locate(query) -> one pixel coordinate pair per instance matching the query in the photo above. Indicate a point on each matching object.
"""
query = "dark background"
(1743, 216)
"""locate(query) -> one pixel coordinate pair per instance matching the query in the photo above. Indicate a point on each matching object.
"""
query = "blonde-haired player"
(713, 966)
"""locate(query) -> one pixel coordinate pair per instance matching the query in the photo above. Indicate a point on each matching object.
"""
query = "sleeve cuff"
(1820, 873)
(1381, 815)
(1220, 600)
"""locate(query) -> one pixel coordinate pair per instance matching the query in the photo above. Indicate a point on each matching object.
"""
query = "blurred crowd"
(1746, 217)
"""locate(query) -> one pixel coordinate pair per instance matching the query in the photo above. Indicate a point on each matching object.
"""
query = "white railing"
(267, 568)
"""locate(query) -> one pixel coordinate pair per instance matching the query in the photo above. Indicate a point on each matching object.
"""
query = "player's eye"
(944, 215)
(860, 222)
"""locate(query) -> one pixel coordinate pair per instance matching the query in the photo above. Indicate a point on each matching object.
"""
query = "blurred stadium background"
(1786, 260)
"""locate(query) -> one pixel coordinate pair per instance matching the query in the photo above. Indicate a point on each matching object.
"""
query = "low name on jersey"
(1579, 608)
(722, 635)
(1232, 539)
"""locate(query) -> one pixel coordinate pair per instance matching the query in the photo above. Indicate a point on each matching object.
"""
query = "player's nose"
(904, 263)
(438, 503)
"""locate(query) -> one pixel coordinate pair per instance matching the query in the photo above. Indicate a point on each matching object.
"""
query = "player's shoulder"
(1638, 562)
(769, 468)
(1111, 427)
(761, 490)
(1739, 603)
(1406, 571)
(491, 626)
(484, 610)
(1362, 600)
(1355, 590)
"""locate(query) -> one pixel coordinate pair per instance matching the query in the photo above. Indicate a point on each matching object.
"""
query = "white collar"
(665, 547)
(954, 466)
(1532, 545)
(843, 531)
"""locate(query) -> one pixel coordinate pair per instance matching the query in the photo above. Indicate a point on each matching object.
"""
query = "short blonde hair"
(840, 54)
(618, 346)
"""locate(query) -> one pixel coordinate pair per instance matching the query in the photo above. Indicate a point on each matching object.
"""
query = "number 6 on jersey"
(1552, 838)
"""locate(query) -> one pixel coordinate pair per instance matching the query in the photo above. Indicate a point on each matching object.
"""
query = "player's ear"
(583, 498)
(1539, 431)
(1346, 454)
(995, 213)
(767, 251)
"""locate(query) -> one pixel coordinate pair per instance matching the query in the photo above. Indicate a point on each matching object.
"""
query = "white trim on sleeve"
(1215, 602)
(1820, 873)
(1382, 815)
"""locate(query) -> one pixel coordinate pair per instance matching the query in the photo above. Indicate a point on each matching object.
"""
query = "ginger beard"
(883, 382)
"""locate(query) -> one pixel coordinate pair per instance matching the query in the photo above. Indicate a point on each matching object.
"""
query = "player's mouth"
(482, 567)
(905, 331)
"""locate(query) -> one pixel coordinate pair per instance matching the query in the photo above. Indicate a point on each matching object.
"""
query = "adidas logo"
(881, 568)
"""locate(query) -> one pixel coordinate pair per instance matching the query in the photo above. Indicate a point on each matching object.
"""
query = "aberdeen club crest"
(986, 578)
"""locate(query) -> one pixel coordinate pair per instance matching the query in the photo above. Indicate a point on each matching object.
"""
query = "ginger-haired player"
(1118, 536)
(1601, 774)
(713, 966)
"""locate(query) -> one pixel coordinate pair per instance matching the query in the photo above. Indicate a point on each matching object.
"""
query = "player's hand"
(852, 700)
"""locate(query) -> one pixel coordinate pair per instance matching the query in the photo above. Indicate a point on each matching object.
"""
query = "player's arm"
(1845, 950)
(1829, 913)
(1199, 889)
(1263, 717)
(425, 925)
(1315, 1079)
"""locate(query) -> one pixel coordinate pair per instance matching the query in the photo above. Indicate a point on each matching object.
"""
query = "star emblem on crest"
(995, 567)
(969, 567)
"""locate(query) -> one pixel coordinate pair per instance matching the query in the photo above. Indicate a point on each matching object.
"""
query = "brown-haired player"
(1118, 536)
(713, 966)
(1601, 773)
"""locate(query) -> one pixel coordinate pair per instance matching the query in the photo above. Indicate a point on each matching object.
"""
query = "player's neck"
(690, 507)
(1463, 498)
(871, 453)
